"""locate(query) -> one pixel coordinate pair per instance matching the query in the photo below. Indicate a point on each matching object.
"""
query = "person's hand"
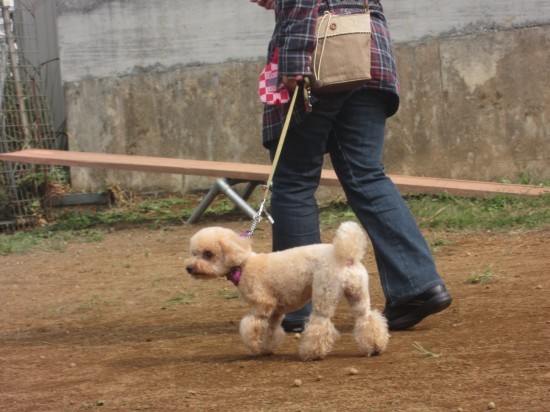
(266, 4)
(291, 82)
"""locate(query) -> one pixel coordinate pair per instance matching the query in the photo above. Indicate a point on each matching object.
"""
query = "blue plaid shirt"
(294, 35)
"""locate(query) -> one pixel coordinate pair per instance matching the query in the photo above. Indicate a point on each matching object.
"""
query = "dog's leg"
(371, 328)
(262, 335)
(320, 334)
(274, 334)
(251, 330)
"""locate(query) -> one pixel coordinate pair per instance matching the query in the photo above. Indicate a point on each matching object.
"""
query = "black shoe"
(294, 322)
(293, 326)
(408, 314)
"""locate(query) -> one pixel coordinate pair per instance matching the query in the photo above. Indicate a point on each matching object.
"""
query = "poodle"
(280, 282)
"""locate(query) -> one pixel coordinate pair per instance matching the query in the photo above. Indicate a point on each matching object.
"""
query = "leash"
(265, 188)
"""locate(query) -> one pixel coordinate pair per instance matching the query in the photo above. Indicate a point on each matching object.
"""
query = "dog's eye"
(207, 255)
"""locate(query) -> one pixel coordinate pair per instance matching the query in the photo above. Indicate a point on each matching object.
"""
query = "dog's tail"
(350, 242)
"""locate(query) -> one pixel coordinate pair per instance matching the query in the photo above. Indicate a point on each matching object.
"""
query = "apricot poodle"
(280, 282)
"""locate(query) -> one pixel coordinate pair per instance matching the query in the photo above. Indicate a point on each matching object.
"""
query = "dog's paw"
(318, 338)
(371, 334)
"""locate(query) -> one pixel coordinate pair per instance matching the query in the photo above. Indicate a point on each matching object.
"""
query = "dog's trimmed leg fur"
(261, 335)
(371, 333)
(320, 334)
(370, 329)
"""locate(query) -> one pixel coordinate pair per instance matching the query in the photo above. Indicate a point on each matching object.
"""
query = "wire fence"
(25, 120)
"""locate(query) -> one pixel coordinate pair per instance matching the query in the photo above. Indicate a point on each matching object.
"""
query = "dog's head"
(215, 252)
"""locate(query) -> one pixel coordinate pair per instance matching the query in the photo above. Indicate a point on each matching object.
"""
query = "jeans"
(351, 127)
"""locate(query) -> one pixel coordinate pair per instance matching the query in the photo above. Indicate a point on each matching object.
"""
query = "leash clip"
(258, 216)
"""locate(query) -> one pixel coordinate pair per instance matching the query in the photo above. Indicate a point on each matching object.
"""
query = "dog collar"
(235, 275)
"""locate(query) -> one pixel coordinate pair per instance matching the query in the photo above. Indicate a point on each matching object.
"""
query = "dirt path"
(118, 325)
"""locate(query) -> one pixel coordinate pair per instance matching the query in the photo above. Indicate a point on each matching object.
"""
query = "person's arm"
(296, 37)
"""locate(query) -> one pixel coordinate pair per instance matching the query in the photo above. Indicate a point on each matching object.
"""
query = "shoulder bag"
(342, 55)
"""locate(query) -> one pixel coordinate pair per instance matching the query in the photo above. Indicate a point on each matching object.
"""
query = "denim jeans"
(350, 128)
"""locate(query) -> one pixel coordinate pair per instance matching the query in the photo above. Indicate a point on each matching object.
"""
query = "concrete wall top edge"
(412, 21)
(102, 38)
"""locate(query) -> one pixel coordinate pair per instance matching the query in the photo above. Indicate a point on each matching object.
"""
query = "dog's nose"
(189, 269)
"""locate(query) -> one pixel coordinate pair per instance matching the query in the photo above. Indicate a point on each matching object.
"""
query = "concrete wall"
(179, 78)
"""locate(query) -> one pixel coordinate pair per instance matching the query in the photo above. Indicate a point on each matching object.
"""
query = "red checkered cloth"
(269, 90)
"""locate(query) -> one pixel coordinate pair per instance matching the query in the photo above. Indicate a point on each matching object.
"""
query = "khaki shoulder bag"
(342, 56)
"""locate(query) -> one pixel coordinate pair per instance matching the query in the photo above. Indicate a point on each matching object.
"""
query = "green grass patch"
(170, 210)
(425, 353)
(90, 305)
(184, 298)
(21, 242)
(462, 213)
(228, 294)
(88, 227)
(492, 213)
(431, 212)
(487, 275)
(47, 239)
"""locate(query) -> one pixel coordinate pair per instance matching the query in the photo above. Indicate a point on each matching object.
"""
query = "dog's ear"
(236, 249)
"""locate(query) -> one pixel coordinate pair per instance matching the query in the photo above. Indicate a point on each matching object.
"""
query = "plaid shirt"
(294, 35)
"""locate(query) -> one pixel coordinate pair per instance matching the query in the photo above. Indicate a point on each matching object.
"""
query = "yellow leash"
(258, 216)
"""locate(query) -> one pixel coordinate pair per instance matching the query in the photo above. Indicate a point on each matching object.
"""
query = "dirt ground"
(117, 324)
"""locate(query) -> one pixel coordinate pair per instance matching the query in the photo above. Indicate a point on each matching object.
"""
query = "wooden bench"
(228, 174)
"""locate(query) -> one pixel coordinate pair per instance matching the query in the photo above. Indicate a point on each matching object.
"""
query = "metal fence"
(25, 119)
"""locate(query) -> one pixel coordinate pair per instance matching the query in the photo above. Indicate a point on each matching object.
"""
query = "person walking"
(350, 127)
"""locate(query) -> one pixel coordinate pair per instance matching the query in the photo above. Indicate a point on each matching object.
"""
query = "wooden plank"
(432, 185)
(140, 163)
(254, 172)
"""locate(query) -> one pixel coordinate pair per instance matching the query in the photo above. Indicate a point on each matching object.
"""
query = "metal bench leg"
(220, 186)
(203, 205)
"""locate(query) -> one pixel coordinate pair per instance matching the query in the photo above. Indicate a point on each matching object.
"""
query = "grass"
(90, 305)
(47, 239)
(90, 227)
(497, 213)
(228, 294)
(494, 213)
(425, 353)
(437, 245)
(473, 214)
(485, 276)
(183, 298)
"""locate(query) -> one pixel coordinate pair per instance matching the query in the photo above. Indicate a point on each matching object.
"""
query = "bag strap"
(327, 5)
(365, 5)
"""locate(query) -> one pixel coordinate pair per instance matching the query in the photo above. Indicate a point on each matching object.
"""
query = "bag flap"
(336, 25)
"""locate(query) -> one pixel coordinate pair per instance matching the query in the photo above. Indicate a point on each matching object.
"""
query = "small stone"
(539, 286)
(491, 405)
(319, 377)
(353, 371)
(459, 409)
(72, 364)
(297, 383)
(297, 336)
